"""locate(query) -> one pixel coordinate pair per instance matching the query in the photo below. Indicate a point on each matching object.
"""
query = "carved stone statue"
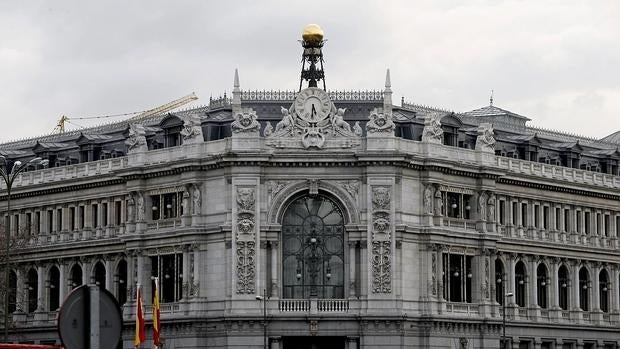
(428, 199)
(131, 206)
(432, 132)
(286, 124)
(482, 206)
(185, 202)
(486, 139)
(380, 123)
(192, 130)
(338, 122)
(245, 122)
(438, 203)
(140, 207)
(491, 208)
(196, 201)
(357, 129)
(136, 142)
(268, 131)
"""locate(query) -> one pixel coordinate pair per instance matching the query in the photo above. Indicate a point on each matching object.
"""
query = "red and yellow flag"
(140, 332)
(156, 323)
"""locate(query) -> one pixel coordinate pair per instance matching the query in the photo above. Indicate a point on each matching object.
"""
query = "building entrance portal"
(313, 342)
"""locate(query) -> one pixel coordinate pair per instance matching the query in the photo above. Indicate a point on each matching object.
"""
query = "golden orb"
(312, 34)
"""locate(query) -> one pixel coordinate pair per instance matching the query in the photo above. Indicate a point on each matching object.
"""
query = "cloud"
(553, 61)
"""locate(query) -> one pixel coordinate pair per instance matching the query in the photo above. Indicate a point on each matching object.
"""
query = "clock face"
(312, 104)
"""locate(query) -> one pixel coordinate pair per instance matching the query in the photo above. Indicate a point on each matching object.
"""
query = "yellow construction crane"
(60, 126)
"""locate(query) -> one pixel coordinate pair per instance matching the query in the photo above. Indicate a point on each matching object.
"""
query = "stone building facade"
(355, 222)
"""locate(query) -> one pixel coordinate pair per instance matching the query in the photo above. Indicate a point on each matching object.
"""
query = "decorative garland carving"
(245, 122)
(434, 273)
(379, 122)
(245, 240)
(381, 240)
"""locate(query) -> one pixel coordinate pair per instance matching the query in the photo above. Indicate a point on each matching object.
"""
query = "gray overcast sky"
(557, 62)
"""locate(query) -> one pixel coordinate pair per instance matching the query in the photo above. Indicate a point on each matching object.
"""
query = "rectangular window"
(50, 221)
(81, 215)
(587, 222)
(578, 213)
(37, 225)
(155, 207)
(606, 225)
(16, 227)
(557, 218)
(524, 215)
(546, 217)
(169, 269)
(29, 223)
(457, 278)
(117, 212)
(536, 216)
(566, 220)
(72, 218)
(502, 212)
(95, 216)
(104, 214)
(59, 219)
(515, 210)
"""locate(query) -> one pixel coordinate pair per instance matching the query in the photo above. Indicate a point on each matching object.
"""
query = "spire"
(387, 95)
(491, 99)
(236, 102)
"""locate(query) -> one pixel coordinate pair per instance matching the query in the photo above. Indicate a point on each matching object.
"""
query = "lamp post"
(264, 299)
(506, 296)
(8, 176)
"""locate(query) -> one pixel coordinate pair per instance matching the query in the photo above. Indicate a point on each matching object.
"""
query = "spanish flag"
(156, 323)
(140, 333)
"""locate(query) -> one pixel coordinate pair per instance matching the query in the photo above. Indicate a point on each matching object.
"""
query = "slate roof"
(492, 110)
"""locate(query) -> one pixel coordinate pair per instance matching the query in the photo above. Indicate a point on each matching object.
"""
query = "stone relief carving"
(139, 206)
(192, 129)
(380, 123)
(131, 209)
(313, 127)
(352, 187)
(486, 139)
(136, 142)
(245, 240)
(357, 129)
(245, 122)
(381, 240)
(273, 188)
(268, 130)
(185, 202)
(486, 277)
(434, 273)
(432, 132)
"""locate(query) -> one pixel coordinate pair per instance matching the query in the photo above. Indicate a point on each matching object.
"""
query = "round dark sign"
(77, 321)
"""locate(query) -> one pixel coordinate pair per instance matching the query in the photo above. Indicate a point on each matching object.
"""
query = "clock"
(312, 105)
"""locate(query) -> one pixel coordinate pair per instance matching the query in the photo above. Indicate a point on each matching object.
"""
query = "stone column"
(533, 283)
(554, 289)
(144, 278)
(575, 287)
(43, 222)
(594, 290)
(109, 275)
(615, 291)
(88, 216)
(41, 294)
(19, 292)
(352, 270)
(274, 268)
(86, 271)
(510, 273)
(186, 278)
(131, 280)
(62, 284)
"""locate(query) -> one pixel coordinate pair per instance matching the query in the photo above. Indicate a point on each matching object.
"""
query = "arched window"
(54, 289)
(121, 284)
(313, 249)
(12, 292)
(33, 291)
(76, 276)
(542, 280)
(603, 287)
(584, 289)
(520, 276)
(500, 289)
(563, 287)
(99, 272)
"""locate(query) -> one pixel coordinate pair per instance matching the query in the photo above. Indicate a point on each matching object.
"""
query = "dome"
(612, 138)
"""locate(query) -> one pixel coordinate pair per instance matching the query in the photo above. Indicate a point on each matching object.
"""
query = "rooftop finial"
(388, 81)
(491, 99)
(236, 83)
